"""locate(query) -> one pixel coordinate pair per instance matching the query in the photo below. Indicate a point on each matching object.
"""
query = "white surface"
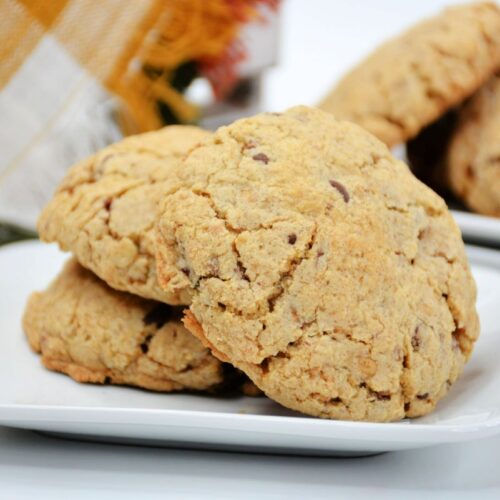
(38, 399)
(34, 466)
(322, 39)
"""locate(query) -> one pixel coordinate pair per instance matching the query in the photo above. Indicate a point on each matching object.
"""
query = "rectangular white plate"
(34, 398)
(478, 227)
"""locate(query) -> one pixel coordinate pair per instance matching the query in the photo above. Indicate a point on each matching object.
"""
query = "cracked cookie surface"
(95, 334)
(320, 267)
(105, 209)
(413, 79)
(473, 156)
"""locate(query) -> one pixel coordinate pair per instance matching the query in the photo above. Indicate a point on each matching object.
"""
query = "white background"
(320, 40)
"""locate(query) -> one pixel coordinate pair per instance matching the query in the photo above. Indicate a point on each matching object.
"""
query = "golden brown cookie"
(105, 209)
(95, 334)
(413, 79)
(473, 155)
(320, 267)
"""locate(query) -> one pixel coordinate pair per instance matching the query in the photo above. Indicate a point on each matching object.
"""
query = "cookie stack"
(105, 319)
(436, 86)
(302, 252)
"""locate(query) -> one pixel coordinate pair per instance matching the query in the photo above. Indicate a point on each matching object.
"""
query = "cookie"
(95, 334)
(321, 267)
(413, 79)
(473, 154)
(105, 209)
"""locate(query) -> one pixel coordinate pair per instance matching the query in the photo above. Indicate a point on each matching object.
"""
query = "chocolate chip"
(320, 253)
(382, 395)
(341, 189)
(423, 396)
(162, 314)
(107, 203)
(107, 380)
(335, 401)
(407, 407)
(292, 238)
(145, 345)
(416, 340)
(221, 305)
(261, 157)
(406, 362)
(185, 270)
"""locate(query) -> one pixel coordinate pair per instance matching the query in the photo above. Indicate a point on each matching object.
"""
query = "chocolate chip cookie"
(320, 266)
(473, 154)
(413, 79)
(105, 209)
(95, 334)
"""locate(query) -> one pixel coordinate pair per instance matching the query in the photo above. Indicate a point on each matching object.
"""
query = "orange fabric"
(44, 12)
(114, 40)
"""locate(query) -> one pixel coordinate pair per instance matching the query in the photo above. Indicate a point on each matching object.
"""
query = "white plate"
(478, 227)
(34, 398)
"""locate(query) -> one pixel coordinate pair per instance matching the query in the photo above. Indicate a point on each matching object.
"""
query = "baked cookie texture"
(413, 79)
(320, 267)
(95, 334)
(473, 154)
(105, 209)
